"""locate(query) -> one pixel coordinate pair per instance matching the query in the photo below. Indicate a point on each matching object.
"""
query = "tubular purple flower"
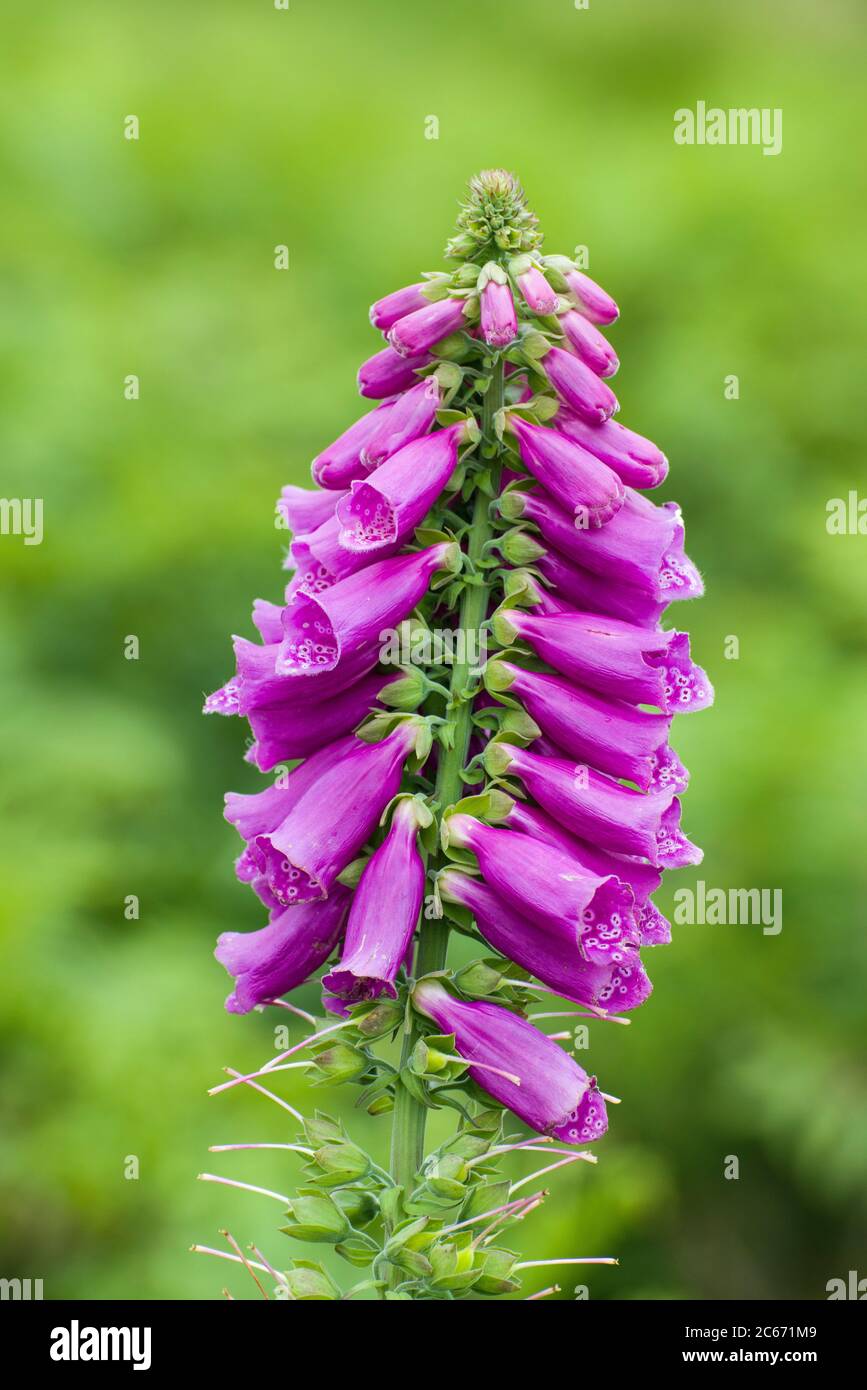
(551, 1093)
(641, 546)
(579, 482)
(540, 882)
(297, 728)
(386, 508)
(386, 312)
(256, 683)
(609, 735)
(333, 817)
(337, 465)
(256, 813)
(634, 459)
(321, 561)
(538, 294)
(387, 373)
(614, 987)
(643, 879)
(578, 588)
(574, 588)
(345, 621)
(631, 663)
(499, 322)
(590, 345)
(579, 387)
(598, 809)
(590, 299)
(305, 509)
(281, 956)
(411, 416)
(384, 912)
(417, 332)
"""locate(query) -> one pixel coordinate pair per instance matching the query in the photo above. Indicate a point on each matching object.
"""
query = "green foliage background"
(155, 257)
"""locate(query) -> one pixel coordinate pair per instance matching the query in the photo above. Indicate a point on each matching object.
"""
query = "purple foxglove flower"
(613, 987)
(297, 728)
(634, 459)
(321, 560)
(590, 345)
(386, 312)
(614, 658)
(570, 586)
(609, 735)
(499, 321)
(549, 1092)
(537, 293)
(591, 299)
(384, 911)
(386, 373)
(641, 546)
(579, 387)
(411, 416)
(598, 809)
(578, 481)
(643, 879)
(577, 587)
(540, 882)
(337, 465)
(417, 332)
(256, 683)
(305, 509)
(284, 954)
(256, 813)
(346, 620)
(386, 508)
(333, 816)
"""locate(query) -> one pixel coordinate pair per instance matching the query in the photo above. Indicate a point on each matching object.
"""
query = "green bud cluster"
(494, 219)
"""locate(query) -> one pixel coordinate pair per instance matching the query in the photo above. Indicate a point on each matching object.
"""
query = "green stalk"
(408, 1126)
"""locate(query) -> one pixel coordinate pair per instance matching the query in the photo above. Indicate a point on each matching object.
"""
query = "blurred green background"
(261, 127)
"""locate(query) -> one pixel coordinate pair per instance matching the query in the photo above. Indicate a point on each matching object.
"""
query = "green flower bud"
(379, 1021)
(340, 1164)
(447, 1176)
(520, 549)
(497, 759)
(459, 247)
(360, 1206)
(339, 1062)
(436, 285)
(496, 1272)
(481, 978)
(511, 505)
(535, 346)
(453, 348)
(406, 691)
(309, 1282)
(504, 632)
(322, 1129)
(498, 678)
(467, 275)
(318, 1219)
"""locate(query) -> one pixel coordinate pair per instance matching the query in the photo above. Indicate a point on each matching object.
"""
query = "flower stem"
(408, 1126)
